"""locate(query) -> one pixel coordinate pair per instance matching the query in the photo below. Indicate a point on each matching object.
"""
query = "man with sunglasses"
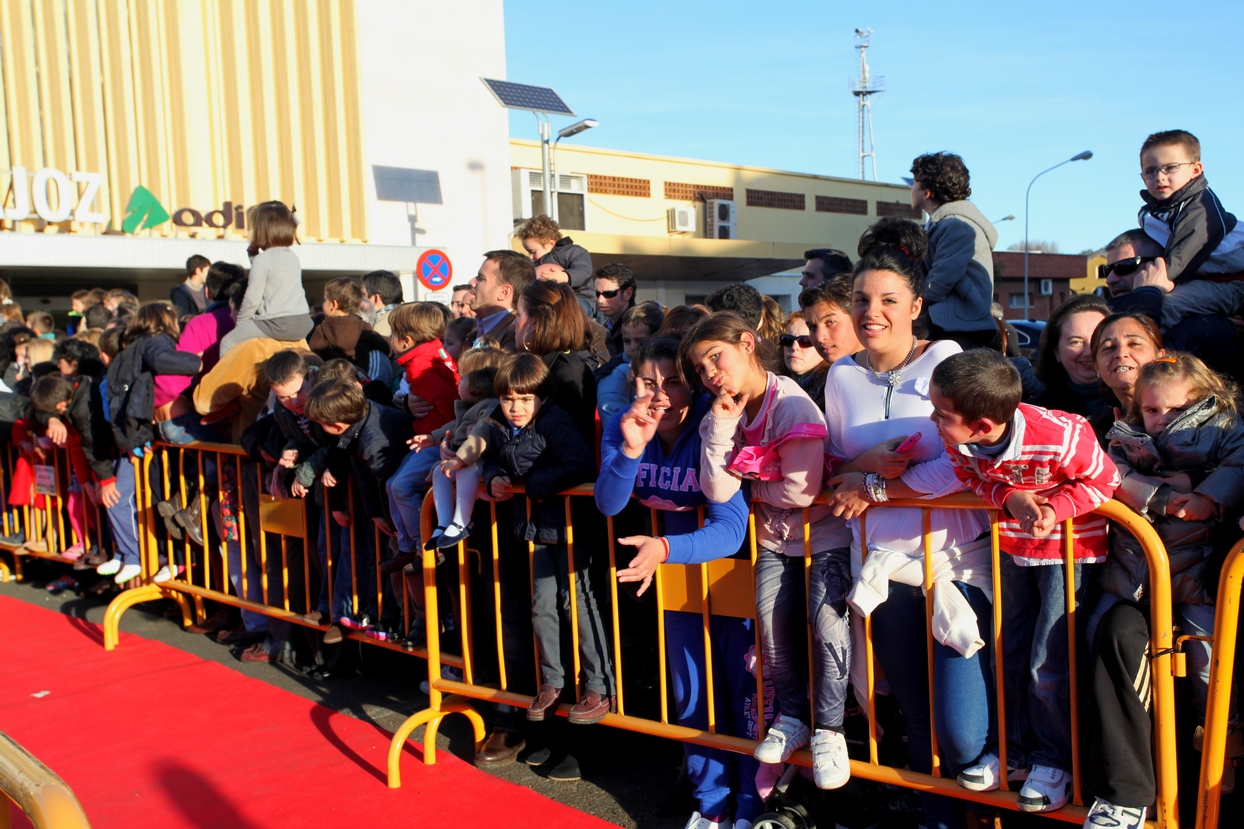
(615, 292)
(1138, 281)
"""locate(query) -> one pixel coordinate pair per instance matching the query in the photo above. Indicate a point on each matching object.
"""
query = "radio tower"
(863, 88)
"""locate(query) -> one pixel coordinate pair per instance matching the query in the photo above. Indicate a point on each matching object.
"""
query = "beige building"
(686, 226)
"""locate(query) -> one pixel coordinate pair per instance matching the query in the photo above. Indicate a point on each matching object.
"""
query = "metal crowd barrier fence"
(45, 518)
(36, 790)
(277, 565)
(724, 587)
(1221, 672)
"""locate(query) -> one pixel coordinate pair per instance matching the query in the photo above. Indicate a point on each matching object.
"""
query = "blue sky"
(1013, 88)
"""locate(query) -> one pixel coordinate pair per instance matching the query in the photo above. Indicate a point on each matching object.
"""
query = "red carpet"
(199, 745)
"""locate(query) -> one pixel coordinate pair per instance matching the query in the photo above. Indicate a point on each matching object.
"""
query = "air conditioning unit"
(1046, 287)
(720, 219)
(682, 219)
(528, 189)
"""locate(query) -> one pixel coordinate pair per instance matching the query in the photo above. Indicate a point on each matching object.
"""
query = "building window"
(899, 209)
(619, 186)
(682, 191)
(834, 204)
(1017, 301)
(776, 199)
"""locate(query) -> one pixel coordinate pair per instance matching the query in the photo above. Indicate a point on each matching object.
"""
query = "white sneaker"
(1106, 815)
(163, 574)
(109, 567)
(831, 765)
(129, 571)
(787, 736)
(699, 821)
(1047, 789)
(985, 776)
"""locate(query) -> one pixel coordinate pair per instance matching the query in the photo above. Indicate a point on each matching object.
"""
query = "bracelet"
(665, 559)
(874, 488)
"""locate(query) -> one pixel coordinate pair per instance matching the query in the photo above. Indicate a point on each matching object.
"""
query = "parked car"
(1029, 336)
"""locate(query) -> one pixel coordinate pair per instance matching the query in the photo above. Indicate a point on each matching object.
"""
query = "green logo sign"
(143, 211)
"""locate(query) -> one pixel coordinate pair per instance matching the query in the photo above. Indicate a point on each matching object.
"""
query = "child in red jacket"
(1040, 468)
(431, 374)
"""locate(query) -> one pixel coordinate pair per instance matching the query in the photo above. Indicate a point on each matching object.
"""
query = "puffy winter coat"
(958, 288)
(1206, 444)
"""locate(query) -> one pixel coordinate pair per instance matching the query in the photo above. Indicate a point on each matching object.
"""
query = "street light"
(1084, 156)
(1009, 218)
(574, 129)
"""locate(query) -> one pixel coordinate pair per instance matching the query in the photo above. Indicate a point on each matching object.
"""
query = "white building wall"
(424, 109)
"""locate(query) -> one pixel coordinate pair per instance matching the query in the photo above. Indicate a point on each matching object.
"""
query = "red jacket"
(1056, 455)
(432, 375)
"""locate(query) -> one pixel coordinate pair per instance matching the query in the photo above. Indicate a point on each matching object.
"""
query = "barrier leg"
(5, 573)
(122, 603)
(432, 717)
(187, 614)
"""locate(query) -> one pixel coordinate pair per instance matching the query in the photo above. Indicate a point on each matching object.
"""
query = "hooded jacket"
(1206, 444)
(376, 446)
(958, 286)
(577, 263)
(432, 375)
(546, 456)
(1199, 237)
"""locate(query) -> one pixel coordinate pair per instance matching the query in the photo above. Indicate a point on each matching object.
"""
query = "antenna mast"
(863, 88)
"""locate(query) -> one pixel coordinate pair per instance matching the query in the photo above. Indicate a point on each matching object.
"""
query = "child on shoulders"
(275, 304)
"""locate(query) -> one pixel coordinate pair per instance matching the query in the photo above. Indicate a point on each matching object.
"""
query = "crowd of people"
(895, 379)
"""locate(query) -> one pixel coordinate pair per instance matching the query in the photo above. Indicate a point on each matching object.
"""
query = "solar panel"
(522, 96)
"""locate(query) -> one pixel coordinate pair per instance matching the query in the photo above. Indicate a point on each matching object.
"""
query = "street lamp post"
(1010, 217)
(1084, 156)
(550, 175)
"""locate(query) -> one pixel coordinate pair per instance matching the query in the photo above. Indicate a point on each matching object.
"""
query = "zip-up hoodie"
(671, 483)
(958, 286)
(1200, 238)
(1056, 455)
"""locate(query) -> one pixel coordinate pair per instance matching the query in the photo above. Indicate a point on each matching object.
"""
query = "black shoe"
(536, 757)
(566, 769)
(167, 510)
(435, 540)
(453, 536)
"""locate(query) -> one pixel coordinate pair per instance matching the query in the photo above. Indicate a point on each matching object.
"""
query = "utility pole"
(863, 89)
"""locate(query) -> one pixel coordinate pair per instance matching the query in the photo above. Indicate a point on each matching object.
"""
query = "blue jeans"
(1035, 667)
(962, 688)
(714, 772)
(123, 517)
(186, 428)
(406, 490)
(550, 605)
(346, 572)
(783, 621)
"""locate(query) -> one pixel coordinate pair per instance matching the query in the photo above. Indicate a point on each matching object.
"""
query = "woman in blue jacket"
(652, 451)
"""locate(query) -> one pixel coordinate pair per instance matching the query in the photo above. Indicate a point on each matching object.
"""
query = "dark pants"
(1118, 731)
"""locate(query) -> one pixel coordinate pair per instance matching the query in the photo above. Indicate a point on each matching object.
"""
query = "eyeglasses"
(1124, 267)
(788, 340)
(1166, 169)
(609, 294)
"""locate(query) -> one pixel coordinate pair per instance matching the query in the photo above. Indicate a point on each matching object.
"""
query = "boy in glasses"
(1200, 240)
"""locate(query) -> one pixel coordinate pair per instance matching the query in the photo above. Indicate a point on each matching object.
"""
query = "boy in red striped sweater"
(1040, 467)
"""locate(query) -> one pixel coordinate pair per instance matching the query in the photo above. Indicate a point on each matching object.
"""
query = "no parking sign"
(434, 269)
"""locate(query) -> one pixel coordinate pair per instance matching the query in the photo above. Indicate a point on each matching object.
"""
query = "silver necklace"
(894, 377)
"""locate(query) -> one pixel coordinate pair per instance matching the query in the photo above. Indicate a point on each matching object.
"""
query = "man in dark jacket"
(494, 293)
(615, 292)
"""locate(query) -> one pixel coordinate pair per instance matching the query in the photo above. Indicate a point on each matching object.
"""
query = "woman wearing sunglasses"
(800, 359)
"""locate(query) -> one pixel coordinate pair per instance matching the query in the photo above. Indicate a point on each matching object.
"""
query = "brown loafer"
(256, 653)
(545, 701)
(217, 621)
(591, 708)
(315, 617)
(333, 635)
(500, 747)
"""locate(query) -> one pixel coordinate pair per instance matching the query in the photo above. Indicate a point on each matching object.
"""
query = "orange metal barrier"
(1221, 672)
(197, 574)
(36, 790)
(725, 587)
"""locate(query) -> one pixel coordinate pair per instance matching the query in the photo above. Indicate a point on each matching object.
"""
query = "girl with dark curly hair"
(958, 285)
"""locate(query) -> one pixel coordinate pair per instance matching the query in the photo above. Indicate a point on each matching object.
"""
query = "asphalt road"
(628, 778)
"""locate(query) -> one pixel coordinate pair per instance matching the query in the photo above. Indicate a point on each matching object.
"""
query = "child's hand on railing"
(57, 432)
(297, 490)
(328, 480)
(289, 458)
